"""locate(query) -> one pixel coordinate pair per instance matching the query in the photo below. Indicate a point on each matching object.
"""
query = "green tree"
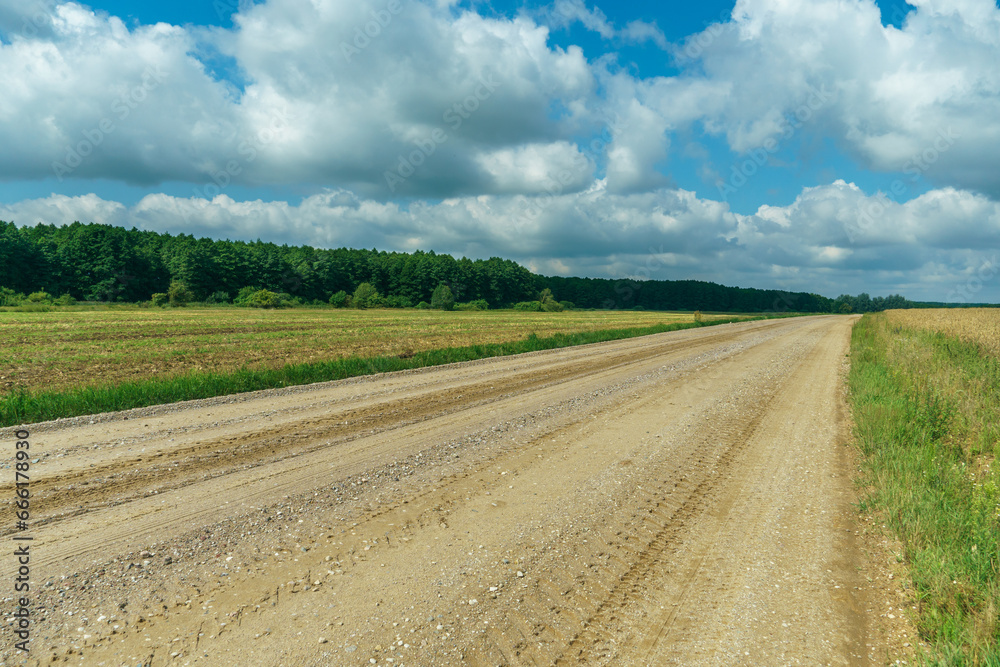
(443, 299)
(40, 297)
(339, 299)
(265, 299)
(179, 294)
(365, 296)
(548, 302)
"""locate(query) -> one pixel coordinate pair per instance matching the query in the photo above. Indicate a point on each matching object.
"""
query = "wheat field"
(972, 325)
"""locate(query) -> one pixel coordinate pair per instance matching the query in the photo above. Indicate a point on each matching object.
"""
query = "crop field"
(924, 386)
(980, 326)
(63, 349)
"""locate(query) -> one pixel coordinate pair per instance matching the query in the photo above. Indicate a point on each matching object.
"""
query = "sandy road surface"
(679, 499)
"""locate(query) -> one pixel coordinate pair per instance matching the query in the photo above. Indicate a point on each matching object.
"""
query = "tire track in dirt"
(590, 513)
(122, 480)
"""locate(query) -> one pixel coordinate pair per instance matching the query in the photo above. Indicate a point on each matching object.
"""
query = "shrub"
(9, 297)
(243, 296)
(265, 299)
(478, 304)
(443, 298)
(65, 300)
(398, 302)
(218, 297)
(160, 299)
(40, 297)
(529, 306)
(179, 294)
(366, 296)
(340, 299)
(567, 305)
(548, 302)
(423, 305)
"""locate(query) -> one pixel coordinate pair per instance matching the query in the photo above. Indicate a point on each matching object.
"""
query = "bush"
(179, 294)
(244, 295)
(443, 299)
(40, 297)
(478, 304)
(423, 305)
(265, 299)
(160, 299)
(340, 299)
(398, 302)
(218, 297)
(548, 302)
(529, 306)
(567, 305)
(366, 296)
(9, 297)
(65, 300)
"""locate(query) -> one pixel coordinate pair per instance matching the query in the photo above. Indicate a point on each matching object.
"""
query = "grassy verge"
(25, 407)
(927, 415)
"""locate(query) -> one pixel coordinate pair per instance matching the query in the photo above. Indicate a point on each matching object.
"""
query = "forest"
(103, 263)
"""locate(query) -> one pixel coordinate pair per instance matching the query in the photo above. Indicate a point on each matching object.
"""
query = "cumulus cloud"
(924, 97)
(833, 238)
(335, 92)
(420, 124)
(564, 13)
(357, 86)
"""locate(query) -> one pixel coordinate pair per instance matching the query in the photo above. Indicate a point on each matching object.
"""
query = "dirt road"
(679, 499)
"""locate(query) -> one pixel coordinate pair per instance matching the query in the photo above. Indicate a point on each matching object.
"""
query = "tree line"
(95, 262)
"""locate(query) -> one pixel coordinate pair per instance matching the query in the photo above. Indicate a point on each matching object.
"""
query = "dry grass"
(72, 347)
(980, 326)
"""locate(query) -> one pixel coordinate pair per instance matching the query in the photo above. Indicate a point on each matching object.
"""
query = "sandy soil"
(680, 499)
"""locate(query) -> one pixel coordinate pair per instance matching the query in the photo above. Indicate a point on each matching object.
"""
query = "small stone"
(520, 574)
(322, 640)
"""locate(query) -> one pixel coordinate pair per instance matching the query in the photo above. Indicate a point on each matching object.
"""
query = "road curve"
(677, 499)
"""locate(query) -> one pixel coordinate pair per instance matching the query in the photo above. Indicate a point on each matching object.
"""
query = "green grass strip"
(927, 409)
(26, 407)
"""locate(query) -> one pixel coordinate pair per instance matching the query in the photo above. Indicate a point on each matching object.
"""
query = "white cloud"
(893, 94)
(564, 13)
(926, 245)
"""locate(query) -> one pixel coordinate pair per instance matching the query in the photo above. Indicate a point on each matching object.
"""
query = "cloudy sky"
(821, 145)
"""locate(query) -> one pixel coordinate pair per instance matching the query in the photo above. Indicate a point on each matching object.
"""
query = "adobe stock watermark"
(33, 24)
(248, 149)
(986, 272)
(364, 34)
(697, 44)
(454, 116)
(870, 210)
(741, 173)
(121, 109)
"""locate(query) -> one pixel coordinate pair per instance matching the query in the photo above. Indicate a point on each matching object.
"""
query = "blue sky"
(829, 146)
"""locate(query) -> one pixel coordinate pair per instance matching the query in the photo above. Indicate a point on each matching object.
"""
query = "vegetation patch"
(927, 418)
(22, 407)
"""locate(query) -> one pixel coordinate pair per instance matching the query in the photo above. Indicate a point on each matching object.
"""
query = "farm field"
(924, 387)
(62, 349)
(980, 326)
